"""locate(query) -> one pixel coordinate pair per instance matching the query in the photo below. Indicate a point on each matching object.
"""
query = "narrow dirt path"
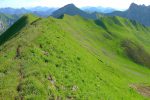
(21, 77)
(142, 89)
(20, 71)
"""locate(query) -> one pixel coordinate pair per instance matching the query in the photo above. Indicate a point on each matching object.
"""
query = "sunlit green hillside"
(75, 59)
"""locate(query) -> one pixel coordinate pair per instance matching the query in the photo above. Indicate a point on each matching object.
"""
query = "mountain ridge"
(51, 58)
(71, 9)
(140, 13)
(40, 11)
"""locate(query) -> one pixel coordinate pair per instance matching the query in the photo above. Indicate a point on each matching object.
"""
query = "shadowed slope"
(12, 31)
(6, 20)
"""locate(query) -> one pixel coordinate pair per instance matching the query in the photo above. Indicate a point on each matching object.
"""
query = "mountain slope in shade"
(71, 9)
(140, 13)
(6, 20)
(74, 58)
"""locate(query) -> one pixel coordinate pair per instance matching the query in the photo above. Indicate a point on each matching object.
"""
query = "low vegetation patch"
(136, 53)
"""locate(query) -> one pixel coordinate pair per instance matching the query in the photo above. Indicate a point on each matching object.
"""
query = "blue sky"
(118, 4)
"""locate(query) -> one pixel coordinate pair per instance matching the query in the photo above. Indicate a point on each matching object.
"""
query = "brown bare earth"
(142, 89)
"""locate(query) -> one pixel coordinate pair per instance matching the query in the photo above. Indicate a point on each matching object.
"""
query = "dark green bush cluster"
(136, 53)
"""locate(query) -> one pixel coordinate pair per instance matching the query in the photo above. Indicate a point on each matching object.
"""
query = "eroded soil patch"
(142, 89)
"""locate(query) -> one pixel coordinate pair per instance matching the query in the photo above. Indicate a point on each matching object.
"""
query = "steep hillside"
(140, 13)
(6, 21)
(59, 59)
(72, 10)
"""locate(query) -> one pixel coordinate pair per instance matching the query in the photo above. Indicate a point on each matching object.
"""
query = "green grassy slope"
(73, 58)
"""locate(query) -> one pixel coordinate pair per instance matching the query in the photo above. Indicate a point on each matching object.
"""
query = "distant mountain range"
(98, 9)
(10, 15)
(42, 11)
(40, 8)
(39, 11)
(46, 11)
(140, 13)
(14, 11)
(72, 10)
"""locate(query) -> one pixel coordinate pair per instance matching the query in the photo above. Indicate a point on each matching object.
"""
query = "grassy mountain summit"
(74, 58)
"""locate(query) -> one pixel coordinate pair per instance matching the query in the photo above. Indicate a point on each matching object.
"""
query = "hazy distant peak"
(70, 5)
(134, 5)
(139, 13)
(72, 10)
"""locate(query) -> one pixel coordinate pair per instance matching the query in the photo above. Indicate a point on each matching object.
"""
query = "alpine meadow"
(74, 56)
